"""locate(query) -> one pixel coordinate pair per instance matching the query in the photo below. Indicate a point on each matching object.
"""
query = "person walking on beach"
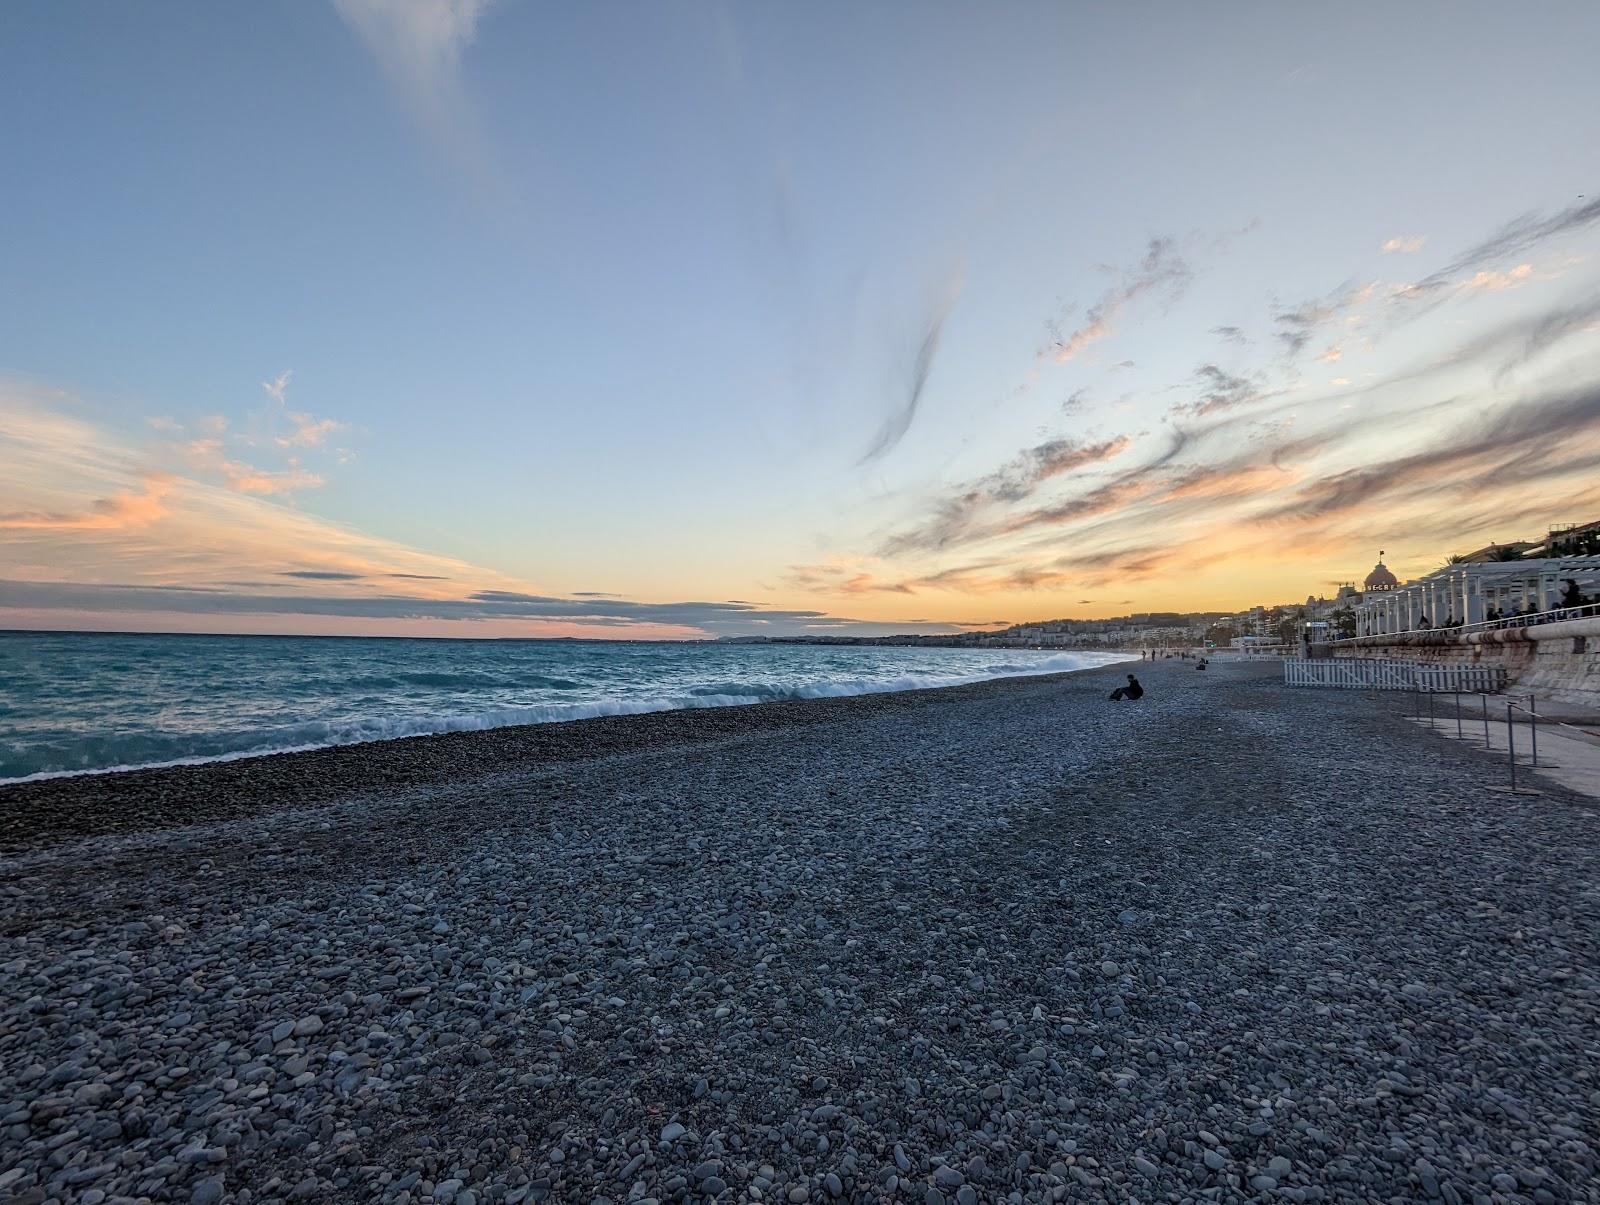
(1131, 691)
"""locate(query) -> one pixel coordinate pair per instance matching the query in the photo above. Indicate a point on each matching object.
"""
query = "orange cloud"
(207, 453)
(1225, 481)
(160, 528)
(122, 510)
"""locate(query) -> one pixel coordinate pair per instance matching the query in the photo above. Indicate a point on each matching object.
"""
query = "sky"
(492, 318)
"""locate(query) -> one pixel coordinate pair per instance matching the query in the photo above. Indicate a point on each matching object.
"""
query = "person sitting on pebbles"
(1131, 691)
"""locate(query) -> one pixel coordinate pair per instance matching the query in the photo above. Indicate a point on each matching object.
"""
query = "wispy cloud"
(81, 508)
(278, 386)
(998, 577)
(1551, 328)
(1549, 435)
(1299, 325)
(208, 454)
(1521, 235)
(1288, 463)
(1015, 481)
(419, 45)
(598, 617)
(1514, 240)
(1263, 455)
(248, 479)
(1497, 282)
(1077, 401)
(208, 444)
(1162, 271)
(308, 431)
(1221, 390)
(927, 346)
(1404, 245)
(80, 497)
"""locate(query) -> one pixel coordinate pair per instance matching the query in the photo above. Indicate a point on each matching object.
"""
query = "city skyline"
(467, 318)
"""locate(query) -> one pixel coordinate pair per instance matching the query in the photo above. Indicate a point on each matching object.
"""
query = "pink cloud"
(309, 432)
(248, 479)
(1495, 282)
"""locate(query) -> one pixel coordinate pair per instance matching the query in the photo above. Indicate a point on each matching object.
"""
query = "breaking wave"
(390, 703)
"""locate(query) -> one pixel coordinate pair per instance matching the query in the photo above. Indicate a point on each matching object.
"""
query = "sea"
(76, 703)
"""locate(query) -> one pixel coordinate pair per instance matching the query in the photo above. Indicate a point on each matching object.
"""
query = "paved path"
(1561, 745)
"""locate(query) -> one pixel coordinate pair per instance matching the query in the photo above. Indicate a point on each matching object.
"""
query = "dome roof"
(1380, 578)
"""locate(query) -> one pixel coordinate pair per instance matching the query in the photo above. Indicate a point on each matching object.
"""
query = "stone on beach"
(911, 947)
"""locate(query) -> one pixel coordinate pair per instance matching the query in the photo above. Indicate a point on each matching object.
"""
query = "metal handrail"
(1532, 712)
(1530, 709)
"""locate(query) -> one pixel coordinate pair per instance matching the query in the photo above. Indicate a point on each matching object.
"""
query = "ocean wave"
(145, 752)
(453, 680)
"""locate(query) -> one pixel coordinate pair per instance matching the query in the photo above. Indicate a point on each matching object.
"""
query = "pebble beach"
(998, 942)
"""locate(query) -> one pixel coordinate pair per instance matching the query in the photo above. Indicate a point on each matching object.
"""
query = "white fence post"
(1359, 674)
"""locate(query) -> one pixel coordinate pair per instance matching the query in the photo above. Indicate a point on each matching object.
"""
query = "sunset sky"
(484, 319)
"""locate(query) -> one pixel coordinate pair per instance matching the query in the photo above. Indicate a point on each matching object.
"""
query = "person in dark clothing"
(1572, 596)
(1131, 691)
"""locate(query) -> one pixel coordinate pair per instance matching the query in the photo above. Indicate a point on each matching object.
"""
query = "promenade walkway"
(1567, 737)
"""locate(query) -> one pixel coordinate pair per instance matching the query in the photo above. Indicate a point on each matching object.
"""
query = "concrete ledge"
(1544, 658)
(1589, 625)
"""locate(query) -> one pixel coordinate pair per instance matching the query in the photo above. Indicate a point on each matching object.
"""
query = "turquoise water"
(71, 703)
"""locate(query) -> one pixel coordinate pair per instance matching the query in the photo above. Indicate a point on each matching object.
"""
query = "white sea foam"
(322, 734)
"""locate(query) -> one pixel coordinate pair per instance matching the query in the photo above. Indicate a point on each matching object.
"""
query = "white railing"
(1354, 674)
(1555, 615)
(1466, 679)
(1349, 675)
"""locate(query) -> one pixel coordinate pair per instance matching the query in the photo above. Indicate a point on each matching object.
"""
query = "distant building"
(1473, 592)
(1573, 539)
(1491, 554)
(1319, 608)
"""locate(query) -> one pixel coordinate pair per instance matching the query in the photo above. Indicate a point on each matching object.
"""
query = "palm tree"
(1505, 552)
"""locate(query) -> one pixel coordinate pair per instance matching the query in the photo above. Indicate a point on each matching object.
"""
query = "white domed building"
(1380, 578)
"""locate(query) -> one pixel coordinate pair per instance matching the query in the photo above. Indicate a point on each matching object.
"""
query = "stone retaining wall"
(1556, 660)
